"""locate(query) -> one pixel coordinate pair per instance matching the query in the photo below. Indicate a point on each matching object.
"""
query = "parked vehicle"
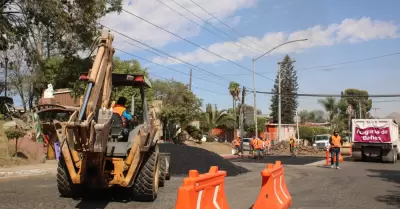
(375, 138)
(321, 141)
(246, 144)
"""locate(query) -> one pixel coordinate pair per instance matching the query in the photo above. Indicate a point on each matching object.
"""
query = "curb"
(233, 156)
(25, 173)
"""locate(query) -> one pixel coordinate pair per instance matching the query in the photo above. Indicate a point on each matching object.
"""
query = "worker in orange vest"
(259, 147)
(252, 146)
(336, 142)
(120, 109)
(236, 144)
(292, 142)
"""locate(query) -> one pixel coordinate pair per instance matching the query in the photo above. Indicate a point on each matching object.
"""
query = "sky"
(362, 34)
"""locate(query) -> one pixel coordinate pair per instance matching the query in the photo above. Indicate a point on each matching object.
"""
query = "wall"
(287, 130)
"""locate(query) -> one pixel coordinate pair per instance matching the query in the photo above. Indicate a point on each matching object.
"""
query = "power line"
(178, 36)
(333, 95)
(199, 24)
(324, 66)
(166, 66)
(166, 54)
(225, 24)
(192, 86)
(158, 50)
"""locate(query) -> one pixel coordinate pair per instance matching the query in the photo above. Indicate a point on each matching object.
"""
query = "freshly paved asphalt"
(357, 185)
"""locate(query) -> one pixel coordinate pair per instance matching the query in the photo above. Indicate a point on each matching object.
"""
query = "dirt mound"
(283, 148)
(185, 158)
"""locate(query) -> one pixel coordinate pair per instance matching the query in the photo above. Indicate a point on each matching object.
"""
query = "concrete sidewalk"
(50, 167)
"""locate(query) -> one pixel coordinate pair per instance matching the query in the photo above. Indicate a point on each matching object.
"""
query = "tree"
(359, 101)
(180, 106)
(234, 90)
(334, 109)
(214, 118)
(314, 116)
(289, 87)
(48, 28)
(261, 121)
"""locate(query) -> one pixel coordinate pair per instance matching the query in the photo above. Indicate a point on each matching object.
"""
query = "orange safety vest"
(119, 109)
(253, 143)
(292, 142)
(336, 141)
(259, 144)
(236, 142)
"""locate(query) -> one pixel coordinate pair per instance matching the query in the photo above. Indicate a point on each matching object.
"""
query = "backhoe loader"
(97, 152)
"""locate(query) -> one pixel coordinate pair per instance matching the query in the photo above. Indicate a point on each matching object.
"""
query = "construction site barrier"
(203, 191)
(274, 193)
(328, 157)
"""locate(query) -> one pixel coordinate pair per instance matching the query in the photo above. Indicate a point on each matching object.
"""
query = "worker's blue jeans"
(335, 151)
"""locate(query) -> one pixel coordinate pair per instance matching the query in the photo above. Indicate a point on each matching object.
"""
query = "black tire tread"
(144, 185)
(64, 183)
(163, 170)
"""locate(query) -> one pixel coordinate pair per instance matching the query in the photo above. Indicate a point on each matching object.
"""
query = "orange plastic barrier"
(328, 157)
(204, 191)
(274, 193)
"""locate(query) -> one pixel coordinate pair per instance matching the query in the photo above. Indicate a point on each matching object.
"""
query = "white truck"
(375, 138)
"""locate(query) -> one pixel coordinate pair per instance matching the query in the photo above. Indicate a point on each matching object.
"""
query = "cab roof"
(119, 79)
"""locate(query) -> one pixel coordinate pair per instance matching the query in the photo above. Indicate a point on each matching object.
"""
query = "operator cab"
(119, 132)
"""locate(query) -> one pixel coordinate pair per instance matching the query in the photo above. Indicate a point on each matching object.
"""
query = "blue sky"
(348, 30)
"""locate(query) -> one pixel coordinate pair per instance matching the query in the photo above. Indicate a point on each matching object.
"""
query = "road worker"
(266, 146)
(236, 145)
(292, 142)
(252, 146)
(120, 109)
(259, 147)
(336, 142)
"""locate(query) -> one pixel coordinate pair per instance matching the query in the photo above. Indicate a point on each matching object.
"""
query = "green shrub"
(194, 132)
(14, 133)
(308, 132)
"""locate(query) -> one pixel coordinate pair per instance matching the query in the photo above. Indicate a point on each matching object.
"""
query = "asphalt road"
(356, 185)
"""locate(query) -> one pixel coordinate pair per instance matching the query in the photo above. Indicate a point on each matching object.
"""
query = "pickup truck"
(375, 138)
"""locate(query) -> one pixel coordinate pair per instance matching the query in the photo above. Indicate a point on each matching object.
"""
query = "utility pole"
(190, 81)
(241, 122)
(254, 100)
(375, 108)
(297, 126)
(359, 107)
(279, 102)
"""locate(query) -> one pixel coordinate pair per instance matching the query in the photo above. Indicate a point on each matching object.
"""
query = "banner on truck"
(372, 134)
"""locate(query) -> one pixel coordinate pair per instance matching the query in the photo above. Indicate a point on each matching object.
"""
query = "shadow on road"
(393, 196)
(100, 199)
(286, 160)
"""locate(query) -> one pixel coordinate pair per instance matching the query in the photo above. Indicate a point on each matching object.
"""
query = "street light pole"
(254, 99)
(254, 82)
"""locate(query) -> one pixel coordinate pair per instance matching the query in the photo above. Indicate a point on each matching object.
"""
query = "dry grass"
(7, 150)
(217, 147)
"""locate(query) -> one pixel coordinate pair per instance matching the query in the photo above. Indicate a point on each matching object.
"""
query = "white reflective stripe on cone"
(215, 197)
(276, 194)
(199, 200)
(198, 206)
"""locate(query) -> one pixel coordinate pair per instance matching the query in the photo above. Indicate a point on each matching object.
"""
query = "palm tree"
(234, 90)
(214, 118)
(333, 107)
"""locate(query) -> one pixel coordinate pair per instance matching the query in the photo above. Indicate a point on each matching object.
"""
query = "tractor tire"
(64, 183)
(145, 186)
(163, 170)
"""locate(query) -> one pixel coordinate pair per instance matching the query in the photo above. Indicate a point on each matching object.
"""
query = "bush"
(210, 138)
(308, 132)
(194, 132)
(14, 133)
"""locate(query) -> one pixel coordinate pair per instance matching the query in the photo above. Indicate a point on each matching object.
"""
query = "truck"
(96, 152)
(375, 138)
